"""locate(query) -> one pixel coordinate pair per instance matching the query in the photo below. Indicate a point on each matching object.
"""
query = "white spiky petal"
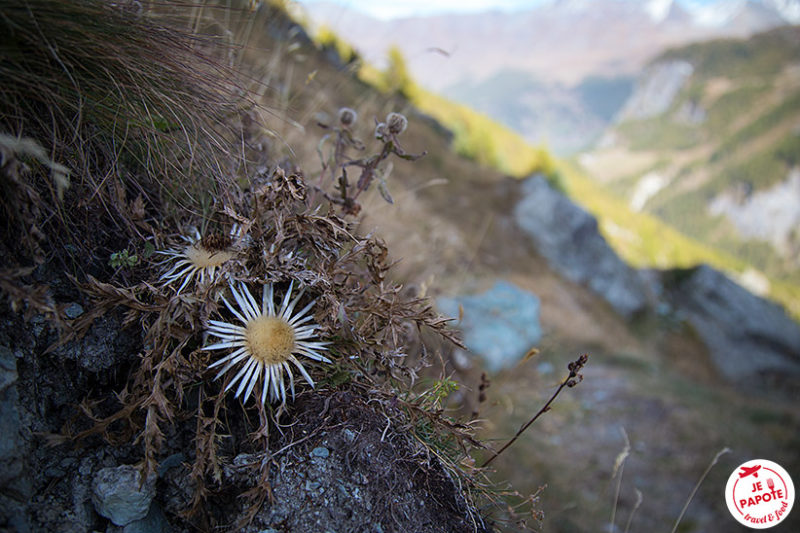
(193, 260)
(265, 343)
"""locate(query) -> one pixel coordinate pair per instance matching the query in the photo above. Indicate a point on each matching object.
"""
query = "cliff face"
(751, 340)
(656, 89)
(570, 239)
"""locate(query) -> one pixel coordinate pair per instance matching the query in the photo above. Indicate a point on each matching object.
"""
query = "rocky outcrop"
(500, 325)
(15, 488)
(751, 340)
(568, 237)
(771, 214)
(656, 90)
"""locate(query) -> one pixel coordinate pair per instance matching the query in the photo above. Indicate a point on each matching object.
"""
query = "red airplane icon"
(747, 470)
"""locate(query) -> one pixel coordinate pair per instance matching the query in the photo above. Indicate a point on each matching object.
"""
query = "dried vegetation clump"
(128, 116)
(118, 143)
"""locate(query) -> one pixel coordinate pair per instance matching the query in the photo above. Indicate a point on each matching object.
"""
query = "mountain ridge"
(560, 44)
(719, 157)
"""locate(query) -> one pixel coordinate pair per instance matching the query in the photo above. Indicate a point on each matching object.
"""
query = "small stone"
(320, 451)
(86, 466)
(120, 496)
(245, 459)
(174, 460)
(349, 435)
(154, 522)
(73, 311)
(312, 485)
(54, 471)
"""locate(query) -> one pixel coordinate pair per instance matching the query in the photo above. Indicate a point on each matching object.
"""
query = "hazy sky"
(405, 8)
(386, 9)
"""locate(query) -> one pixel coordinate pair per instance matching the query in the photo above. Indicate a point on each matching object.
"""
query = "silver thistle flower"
(266, 343)
(201, 258)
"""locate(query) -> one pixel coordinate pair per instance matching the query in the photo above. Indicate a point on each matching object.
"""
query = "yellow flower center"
(201, 257)
(270, 339)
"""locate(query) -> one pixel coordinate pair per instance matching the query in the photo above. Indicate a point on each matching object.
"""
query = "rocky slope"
(457, 231)
(111, 419)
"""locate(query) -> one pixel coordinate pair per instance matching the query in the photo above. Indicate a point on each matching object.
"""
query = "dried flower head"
(396, 123)
(380, 130)
(266, 342)
(203, 256)
(347, 117)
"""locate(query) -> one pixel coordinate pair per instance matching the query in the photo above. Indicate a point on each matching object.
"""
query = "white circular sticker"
(759, 494)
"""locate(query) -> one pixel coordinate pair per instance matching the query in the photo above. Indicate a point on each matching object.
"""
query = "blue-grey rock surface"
(500, 325)
(568, 238)
(119, 494)
(153, 522)
(749, 338)
(14, 487)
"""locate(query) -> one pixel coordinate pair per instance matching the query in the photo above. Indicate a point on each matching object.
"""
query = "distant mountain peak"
(789, 9)
(658, 10)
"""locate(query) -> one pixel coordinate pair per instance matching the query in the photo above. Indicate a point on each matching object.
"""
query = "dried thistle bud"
(380, 130)
(347, 117)
(396, 123)
(215, 242)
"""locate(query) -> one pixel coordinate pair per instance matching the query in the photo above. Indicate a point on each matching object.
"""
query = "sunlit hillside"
(719, 161)
(644, 240)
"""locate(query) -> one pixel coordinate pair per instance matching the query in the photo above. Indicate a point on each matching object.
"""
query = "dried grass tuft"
(129, 108)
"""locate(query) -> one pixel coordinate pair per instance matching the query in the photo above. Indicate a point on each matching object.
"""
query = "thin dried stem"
(571, 380)
(720, 453)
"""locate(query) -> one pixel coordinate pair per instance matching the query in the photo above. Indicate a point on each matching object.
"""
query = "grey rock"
(15, 487)
(106, 345)
(8, 368)
(749, 338)
(568, 237)
(320, 451)
(174, 460)
(119, 494)
(154, 522)
(73, 310)
(360, 484)
(54, 471)
(500, 325)
(12, 446)
(771, 215)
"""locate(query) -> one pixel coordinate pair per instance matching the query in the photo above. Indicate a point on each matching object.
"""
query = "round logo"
(759, 494)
